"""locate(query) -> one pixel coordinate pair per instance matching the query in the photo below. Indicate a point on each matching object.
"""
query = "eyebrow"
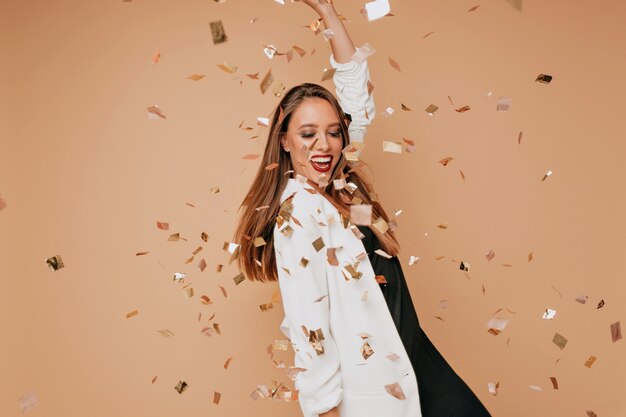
(314, 125)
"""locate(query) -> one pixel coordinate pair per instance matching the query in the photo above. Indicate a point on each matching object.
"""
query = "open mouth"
(321, 163)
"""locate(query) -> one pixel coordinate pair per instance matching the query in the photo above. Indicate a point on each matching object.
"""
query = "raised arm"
(352, 78)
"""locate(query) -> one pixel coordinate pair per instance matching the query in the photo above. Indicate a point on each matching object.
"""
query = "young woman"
(359, 349)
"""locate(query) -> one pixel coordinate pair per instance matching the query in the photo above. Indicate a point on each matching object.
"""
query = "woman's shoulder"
(300, 202)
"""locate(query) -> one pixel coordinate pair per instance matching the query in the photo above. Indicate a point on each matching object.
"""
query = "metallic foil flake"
(366, 350)
(559, 340)
(180, 387)
(395, 390)
(55, 263)
(217, 32)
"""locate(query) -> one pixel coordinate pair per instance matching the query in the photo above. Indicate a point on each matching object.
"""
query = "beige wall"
(86, 175)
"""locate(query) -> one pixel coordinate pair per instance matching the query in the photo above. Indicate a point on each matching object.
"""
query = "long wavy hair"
(261, 204)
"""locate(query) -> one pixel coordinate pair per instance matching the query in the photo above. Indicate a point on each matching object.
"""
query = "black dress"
(442, 392)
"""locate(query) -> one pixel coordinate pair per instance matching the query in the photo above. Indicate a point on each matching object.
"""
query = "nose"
(322, 143)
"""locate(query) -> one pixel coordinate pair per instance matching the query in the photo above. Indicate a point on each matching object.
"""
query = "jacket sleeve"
(351, 86)
(302, 276)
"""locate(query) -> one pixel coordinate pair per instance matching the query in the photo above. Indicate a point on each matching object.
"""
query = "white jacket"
(342, 299)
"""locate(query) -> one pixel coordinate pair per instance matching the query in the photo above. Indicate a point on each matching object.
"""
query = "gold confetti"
(559, 340)
(279, 88)
(250, 156)
(383, 253)
(180, 387)
(174, 237)
(188, 292)
(616, 331)
(473, 8)
(555, 384)
(544, 78)
(396, 390)
(318, 244)
(266, 307)
(381, 225)
(493, 388)
(361, 214)
(156, 57)
(366, 350)
(217, 32)
(166, 332)
(196, 77)
(394, 64)
(27, 402)
(462, 175)
(227, 362)
(231, 69)
(503, 104)
(489, 255)
(3, 203)
(428, 34)
(446, 161)
(239, 278)
(331, 256)
(259, 241)
(224, 292)
(202, 265)
(55, 263)
(216, 326)
(205, 300)
(409, 145)
(155, 111)
(393, 357)
(589, 362)
(600, 304)
(141, 253)
(519, 138)
(589, 412)
(392, 147)
(315, 339)
(463, 109)
(546, 175)
(405, 108)
(328, 73)
(267, 80)
(131, 314)
(431, 109)
(496, 325)
(582, 299)
(154, 379)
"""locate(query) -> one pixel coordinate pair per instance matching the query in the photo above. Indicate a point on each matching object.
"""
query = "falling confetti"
(180, 387)
(55, 263)
(549, 314)
(555, 384)
(196, 77)
(376, 9)
(543, 78)
(503, 104)
(154, 112)
(132, 314)
(394, 64)
(473, 8)
(589, 362)
(559, 340)
(3, 203)
(217, 32)
(27, 402)
(616, 331)
(396, 390)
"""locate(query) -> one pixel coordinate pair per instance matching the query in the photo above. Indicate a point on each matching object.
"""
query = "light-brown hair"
(268, 186)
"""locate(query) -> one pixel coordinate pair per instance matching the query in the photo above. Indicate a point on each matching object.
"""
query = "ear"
(283, 142)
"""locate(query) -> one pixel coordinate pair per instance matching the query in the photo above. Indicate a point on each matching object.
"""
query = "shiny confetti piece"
(154, 379)
(589, 362)
(226, 67)
(413, 260)
(202, 265)
(214, 190)
(269, 50)
(549, 314)
(555, 384)
(616, 331)
(546, 175)
(328, 34)
(464, 266)
(227, 362)
(530, 256)
(27, 402)
(393, 357)
(239, 278)
(250, 156)
(364, 297)
(3, 203)
(493, 388)
(535, 387)
(216, 327)
(559, 340)
(318, 244)
(462, 175)
(188, 292)
(394, 64)
(463, 109)
(489, 255)
(279, 89)
(446, 161)
(473, 8)
(409, 145)
(55, 263)
(582, 299)
(361, 214)
(380, 279)
(217, 32)
(132, 314)
(366, 350)
(196, 77)
(216, 397)
(328, 73)
(263, 121)
(224, 293)
(589, 412)
(154, 112)
(331, 256)
(496, 325)
(361, 54)
(383, 253)
(179, 276)
(392, 147)
(166, 332)
(180, 387)
(443, 304)
(259, 241)
(315, 339)
(205, 300)
(431, 109)
(428, 34)
(600, 304)
(519, 138)
(503, 104)
(267, 80)
(517, 4)
(543, 78)
(141, 253)
(163, 225)
(389, 111)
(376, 9)
(381, 225)
(395, 390)
(156, 57)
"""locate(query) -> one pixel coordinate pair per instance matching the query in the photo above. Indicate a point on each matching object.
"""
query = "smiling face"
(314, 139)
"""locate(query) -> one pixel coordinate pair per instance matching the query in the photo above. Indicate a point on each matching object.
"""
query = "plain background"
(86, 174)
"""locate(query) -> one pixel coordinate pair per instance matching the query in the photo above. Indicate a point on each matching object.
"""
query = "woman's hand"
(320, 6)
